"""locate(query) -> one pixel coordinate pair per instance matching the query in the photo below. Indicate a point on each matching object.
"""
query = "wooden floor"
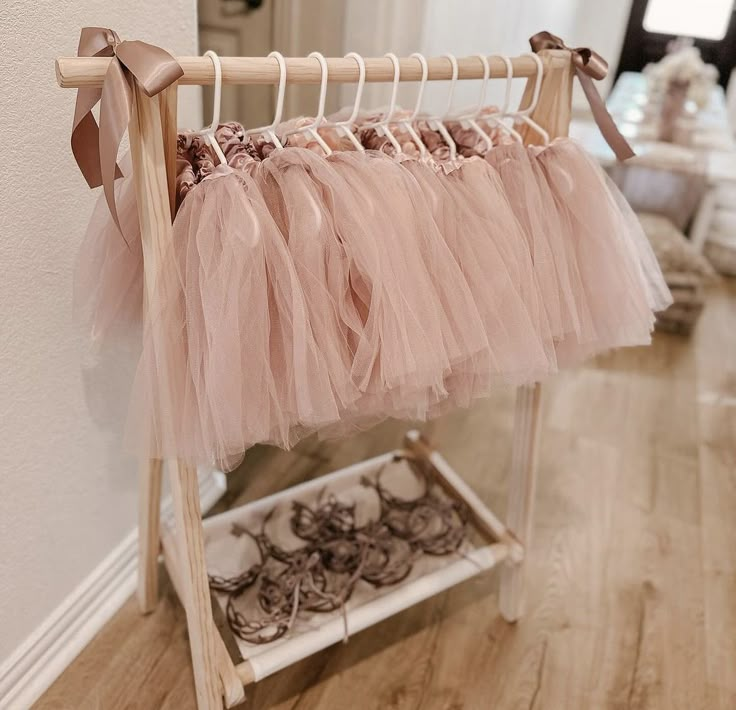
(632, 602)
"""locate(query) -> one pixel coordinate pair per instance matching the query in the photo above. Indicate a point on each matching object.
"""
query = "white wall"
(68, 495)
(490, 27)
(476, 26)
(602, 26)
(374, 28)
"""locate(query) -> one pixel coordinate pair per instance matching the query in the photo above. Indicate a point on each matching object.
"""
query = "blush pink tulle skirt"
(304, 293)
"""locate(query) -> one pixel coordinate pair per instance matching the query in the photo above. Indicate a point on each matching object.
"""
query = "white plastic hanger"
(436, 123)
(495, 120)
(269, 131)
(311, 129)
(382, 127)
(468, 119)
(523, 114)
(408, 123)
(209, 132)
(346, 127)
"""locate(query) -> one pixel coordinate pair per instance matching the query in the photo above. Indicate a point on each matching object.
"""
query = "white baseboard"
(42, 657)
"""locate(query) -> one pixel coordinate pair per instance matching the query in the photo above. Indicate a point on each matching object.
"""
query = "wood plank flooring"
(632, 597)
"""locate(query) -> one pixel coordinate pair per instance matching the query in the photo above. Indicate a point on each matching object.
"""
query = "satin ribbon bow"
(96, 147)
(589, 66)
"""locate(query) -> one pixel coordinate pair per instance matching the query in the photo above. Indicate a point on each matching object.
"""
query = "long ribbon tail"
(606, 125)
(95, 148)
(86, 137)
(589, 66)
(115, 110)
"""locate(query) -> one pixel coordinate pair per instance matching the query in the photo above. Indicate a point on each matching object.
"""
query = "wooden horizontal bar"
(78, 72)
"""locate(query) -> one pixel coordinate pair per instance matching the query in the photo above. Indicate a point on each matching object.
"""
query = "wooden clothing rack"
(153, 135)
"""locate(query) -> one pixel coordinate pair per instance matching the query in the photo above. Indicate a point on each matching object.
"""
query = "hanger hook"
(381, 127)
(408, 123)
(423, 82)
(509, 79)
(280, 95)
(496, 119)
(537, 83)
(217, 100)
(436, 122)
(361, 83)
(484, 86)
(469, 119)
(395, 88)
(325, 72)
(320, 117)
(346, 127)
(209, 132)
(523, 115)
(453, 81)
(311, 129)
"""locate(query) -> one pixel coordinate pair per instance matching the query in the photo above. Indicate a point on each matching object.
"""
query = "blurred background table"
(691, 180)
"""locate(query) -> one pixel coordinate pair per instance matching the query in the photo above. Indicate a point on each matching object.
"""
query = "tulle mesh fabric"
(235, 330)
(618, 280)
(485, 239)
(304, 292)
(108, 278)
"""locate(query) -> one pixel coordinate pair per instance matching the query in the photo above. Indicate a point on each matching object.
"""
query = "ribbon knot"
(96, 147)
(589, 66)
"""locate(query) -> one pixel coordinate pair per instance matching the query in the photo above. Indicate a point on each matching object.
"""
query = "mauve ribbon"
(96, 148)
(589, 65)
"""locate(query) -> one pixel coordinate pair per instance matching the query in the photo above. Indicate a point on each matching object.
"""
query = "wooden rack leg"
(195, 591)
(151, 118)
(553, 112)
(149, 524)
(149, 476)
(522, 482)
(231, 679)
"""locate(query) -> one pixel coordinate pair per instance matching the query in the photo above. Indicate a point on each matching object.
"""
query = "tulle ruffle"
(306, 293)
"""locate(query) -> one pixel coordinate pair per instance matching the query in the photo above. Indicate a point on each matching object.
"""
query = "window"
(705, 19)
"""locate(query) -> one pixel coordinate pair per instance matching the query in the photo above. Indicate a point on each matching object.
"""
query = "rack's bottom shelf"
(266, 661)
(229, 552)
